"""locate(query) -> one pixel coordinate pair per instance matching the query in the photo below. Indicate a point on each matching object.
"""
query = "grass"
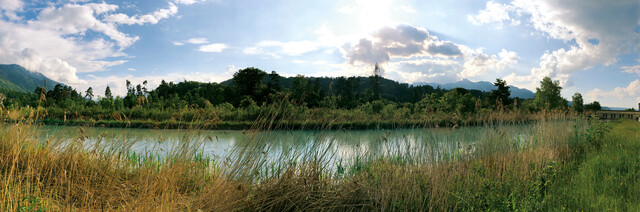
(297, 117)
(607, 176)
(560, 163)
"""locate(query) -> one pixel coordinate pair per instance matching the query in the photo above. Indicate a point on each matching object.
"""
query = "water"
(337, 145)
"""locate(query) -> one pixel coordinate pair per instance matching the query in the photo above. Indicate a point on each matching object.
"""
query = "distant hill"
(17, 78)
(613, 108)
(482, 86)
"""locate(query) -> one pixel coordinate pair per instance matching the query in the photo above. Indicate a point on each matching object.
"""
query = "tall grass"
(508, 168)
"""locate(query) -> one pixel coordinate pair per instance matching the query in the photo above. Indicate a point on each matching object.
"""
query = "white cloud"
(118, 87)
(214, 47)
(152, 18)
(632, 69)
(197, 41)
(177, 43)
(402, 41)
(410, 43)
(494, 12)
(131, 69)
(230, 70)
(188, 2)
(577, 22)
(529, 82)
(56, 44)
(628, 96)
(10, 7)
(299, 61)
(425, 70)
(477, 63)
(507, 59)
(407, 8)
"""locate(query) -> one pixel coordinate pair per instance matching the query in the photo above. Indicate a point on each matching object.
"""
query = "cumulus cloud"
(214, 47)
(9, 7)
(152, 18)
(409, 44)
(494, 12)
(445, 48)
(425, 70)
(55, 41)
(627, 96)
(389, 42)
(578, 22)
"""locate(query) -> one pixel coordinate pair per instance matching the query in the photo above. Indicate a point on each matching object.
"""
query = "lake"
(337, 145)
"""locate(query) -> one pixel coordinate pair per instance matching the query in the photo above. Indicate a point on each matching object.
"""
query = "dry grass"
(66, 175)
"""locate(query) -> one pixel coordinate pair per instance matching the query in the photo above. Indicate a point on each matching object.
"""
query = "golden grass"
(62, 175)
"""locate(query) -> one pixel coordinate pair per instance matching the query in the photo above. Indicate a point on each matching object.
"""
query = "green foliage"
(107, 93)
(603, 178)
(500, 96)
(458, 100)
(248, 82)
(594, 106)
(548, 95)
(577, 102)
(16, 78)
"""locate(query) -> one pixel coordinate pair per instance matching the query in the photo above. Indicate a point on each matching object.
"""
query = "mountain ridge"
(15, 77)
(482, 86)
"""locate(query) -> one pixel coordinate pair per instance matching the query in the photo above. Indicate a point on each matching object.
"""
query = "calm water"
(337, 144)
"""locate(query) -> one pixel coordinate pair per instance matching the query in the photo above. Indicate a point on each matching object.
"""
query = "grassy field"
(567, 164)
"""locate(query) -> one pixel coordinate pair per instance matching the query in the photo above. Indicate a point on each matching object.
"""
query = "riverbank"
(564, 165)
(277, 119)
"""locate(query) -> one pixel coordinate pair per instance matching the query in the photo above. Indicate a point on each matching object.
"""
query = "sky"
(589, 46)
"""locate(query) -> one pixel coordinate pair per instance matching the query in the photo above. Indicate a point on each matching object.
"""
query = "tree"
(89, 93)
(595, 106)
(274, 82)
(299, 88)
(458, 100)
(107, 93)
(501, 95)
(130, 89)
(577, 102)
(248, 81)
(375, 82)
(548, 95)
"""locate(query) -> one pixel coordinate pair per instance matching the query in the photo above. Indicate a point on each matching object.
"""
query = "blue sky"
(591, 47)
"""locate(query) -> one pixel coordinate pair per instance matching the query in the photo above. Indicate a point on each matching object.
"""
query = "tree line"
(252, 88)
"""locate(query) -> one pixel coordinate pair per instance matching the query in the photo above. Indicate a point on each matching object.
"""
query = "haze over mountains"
(482, 86)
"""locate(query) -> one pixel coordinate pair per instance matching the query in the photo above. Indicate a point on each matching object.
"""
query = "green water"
(339, 145)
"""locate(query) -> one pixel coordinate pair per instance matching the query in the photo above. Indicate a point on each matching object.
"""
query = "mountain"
(17, 78)
(482, 86)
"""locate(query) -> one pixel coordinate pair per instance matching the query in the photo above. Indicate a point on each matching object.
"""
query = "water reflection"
(337, 145)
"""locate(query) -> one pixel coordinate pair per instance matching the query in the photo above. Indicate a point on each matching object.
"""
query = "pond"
(338, 145)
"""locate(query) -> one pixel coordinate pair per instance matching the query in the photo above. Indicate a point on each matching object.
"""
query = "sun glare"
(373, 15)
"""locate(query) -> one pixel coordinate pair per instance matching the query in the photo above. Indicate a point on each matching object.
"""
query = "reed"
(510, 168)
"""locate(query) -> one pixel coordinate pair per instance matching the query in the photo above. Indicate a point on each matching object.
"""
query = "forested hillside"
(17, 78)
